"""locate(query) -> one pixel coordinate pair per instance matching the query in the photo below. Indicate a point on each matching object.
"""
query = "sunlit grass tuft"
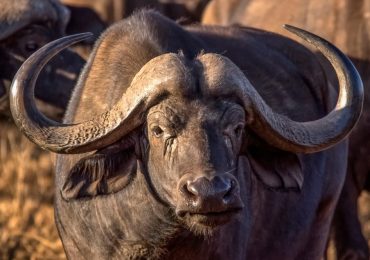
(27, 229)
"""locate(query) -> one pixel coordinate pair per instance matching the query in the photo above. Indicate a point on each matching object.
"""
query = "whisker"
(231, 170)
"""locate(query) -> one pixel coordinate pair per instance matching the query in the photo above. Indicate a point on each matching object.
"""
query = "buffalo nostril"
(216, 189)
(188, 191)
(192, 188)
(207, 194)
(190, 194)
(229, 192)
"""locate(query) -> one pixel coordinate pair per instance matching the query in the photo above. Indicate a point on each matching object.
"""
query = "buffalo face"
(192, 154)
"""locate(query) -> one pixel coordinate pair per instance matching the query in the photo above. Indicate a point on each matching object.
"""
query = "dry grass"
(27, 229)
(365, 214)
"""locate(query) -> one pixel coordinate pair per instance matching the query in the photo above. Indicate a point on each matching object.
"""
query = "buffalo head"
(184, 124)
(25, 26)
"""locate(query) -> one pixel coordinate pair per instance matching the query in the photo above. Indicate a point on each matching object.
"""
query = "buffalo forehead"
(197, 90)
(180, 111)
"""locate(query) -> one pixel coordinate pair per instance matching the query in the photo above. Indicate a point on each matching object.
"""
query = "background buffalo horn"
(101, 130)
(314, 136)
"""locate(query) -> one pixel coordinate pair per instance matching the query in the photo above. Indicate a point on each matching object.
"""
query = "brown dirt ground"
(27, 229)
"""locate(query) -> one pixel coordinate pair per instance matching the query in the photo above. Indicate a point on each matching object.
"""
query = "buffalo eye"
(33, 37)
(238, 130)
(157, 131)
(31, 46)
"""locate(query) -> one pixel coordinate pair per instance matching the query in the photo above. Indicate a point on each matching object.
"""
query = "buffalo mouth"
(214, 218)
(203, 222)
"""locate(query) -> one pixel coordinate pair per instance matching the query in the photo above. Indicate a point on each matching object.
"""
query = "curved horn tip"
(287, 26)
(83, 36)
(293, 29)
(87, 34)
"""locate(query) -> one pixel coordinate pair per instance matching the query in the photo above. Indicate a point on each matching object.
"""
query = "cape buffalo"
(345, 23)
(25, 26)
(196, 142)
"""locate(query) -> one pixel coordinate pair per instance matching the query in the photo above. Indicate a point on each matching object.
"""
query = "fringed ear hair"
(100, 174)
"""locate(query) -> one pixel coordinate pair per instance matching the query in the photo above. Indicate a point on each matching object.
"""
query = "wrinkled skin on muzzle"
(192, 158)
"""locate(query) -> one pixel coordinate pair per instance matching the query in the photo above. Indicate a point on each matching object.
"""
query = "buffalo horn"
(317, 135)
(93, 134)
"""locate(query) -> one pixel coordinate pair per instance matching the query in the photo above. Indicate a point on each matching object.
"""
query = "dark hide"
(24, 28)
(277, 169)
(346, 24)
(105, 210)
(107, 171)
(184, 10)
(84, 20)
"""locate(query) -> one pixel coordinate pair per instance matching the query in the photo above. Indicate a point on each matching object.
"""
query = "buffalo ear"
(100, 174)
(277, 169)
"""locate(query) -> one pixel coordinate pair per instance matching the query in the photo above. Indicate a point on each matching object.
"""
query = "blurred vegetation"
(27, 229)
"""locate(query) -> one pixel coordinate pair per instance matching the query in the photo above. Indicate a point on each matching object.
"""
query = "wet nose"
(217, 191)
